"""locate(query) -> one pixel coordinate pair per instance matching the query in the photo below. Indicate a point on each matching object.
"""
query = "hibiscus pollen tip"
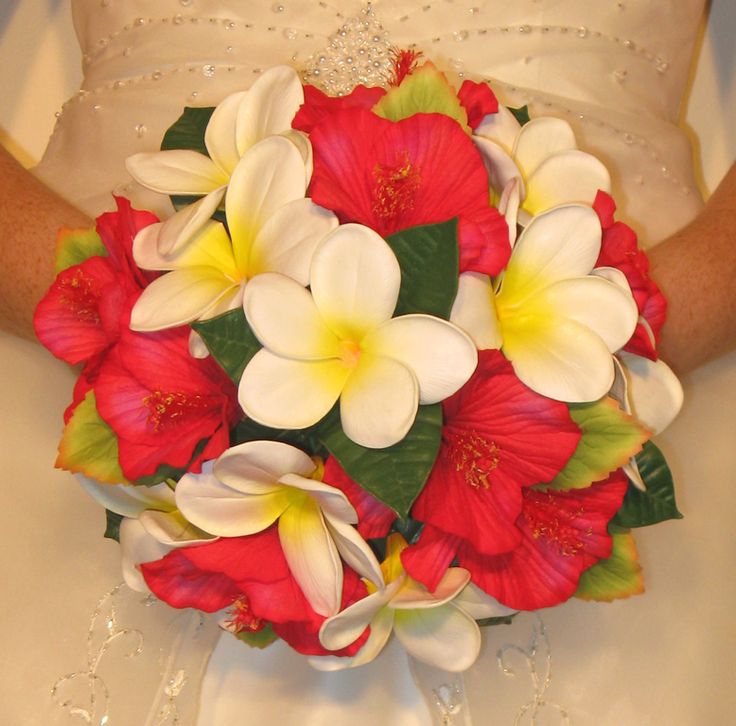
(165, 408)
(474, 456)
(241, 618)
(395, 187)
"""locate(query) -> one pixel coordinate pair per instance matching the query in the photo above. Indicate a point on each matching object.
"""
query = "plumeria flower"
(556, 322)
(272, 228)
(255, 484)
(340, 342)
(152, 525)
(543, 154)
(429, 625)
(238, 123)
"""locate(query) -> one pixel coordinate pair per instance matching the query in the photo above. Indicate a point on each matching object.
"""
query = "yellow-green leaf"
(258, 639)
(89, 446)
(610, 438)
(74, 246)
(424, 91)
(617, 577)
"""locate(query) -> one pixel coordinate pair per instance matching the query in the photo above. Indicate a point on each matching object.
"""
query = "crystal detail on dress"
(538, 658)
(358, 53)
(443, 692)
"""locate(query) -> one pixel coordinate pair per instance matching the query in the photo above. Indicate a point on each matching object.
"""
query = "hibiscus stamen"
(403, 64)
(241, 618)
(395, 187)
(555, 525)
(166, 408)
(473, 456)
(80, 296)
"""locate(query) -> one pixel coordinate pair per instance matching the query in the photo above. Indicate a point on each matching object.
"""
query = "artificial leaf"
(89, 446)
(305, 439)
(428, 258)
(112, 528)
(610, 437)
(424, 91)
(258, 638)
(500, 620)
(657, 503)
(521, 114)
(230, 340)
(187, 132)
(74, 246)
(396, 474)
(618, 576)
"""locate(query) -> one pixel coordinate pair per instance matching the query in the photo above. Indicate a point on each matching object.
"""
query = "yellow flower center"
(349, 353)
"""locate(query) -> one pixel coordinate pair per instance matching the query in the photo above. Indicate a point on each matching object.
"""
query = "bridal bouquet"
(389, 366)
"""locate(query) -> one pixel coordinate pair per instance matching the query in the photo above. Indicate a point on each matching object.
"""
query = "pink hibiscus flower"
(394, 175)
(620, 249)
(161, 402)
(249, 574)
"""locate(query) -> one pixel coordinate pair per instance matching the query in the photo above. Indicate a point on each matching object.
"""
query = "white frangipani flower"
(255, 484)
(340, 342)
(552, 318)
(238, 123)
(543, 155)
(272, 228)
(429, 625)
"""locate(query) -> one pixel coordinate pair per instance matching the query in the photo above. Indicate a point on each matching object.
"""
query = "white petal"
(474, 311)
(342, 629)
(602, 306)
(439, 354)
(128, 500)
(283, 316)
(172, 529)
(312, 557)
(301, 141)
(413, 595)
(556, 245)
(501, 127)
(178, 297)
(256, 466)
(567, 177)
(288, 394)
(479, 604)
(654, 391)
(379, 402)
(288, 239)
(137, 547)
(268, 176)
(355, 280)
(558, 358)
(444, 637)
(354, 550)
(508, 205)
(178, 171)
(500, 166)
(539, 139)
(197, 347)
(223, 511)
(329, 499)
(270, 106)
(219, 136)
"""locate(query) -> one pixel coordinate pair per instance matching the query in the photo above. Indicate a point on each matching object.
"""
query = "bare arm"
(30, 216)
(696, 270)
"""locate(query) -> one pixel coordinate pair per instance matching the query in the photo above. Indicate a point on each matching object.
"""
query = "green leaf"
(424, 91)
(112, 529)
(89, 446)
(305, 439)
(230, 340)
(260, 638)
(500, 620)
(74, 246)
(618, 576)
(610, 438)
(657, 503)
(187, 132)
(428, 257)
(396, 474)
(521, 114)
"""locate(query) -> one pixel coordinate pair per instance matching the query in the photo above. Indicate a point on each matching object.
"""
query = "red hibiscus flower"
(393, 175)
(248, 573)
(498, 438)
(161, 402)
(478, 100)
(620, 249)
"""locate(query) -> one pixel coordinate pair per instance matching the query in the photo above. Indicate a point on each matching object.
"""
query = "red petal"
(318, 106)
(604, 206)
(478, 100)
(427, 560)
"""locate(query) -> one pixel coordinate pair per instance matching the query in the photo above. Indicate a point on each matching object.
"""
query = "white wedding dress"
(614, 70)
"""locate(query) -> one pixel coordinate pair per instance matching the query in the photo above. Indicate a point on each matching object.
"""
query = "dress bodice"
(614, 69)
